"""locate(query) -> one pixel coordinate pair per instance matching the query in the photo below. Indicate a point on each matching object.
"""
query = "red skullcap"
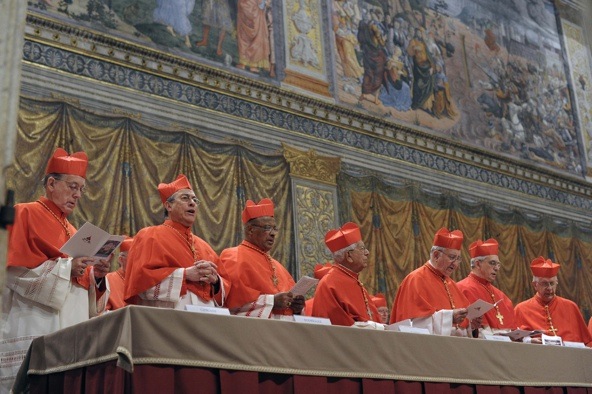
(542, 268)
(62, 163)
(321, 270)
(253, 211)
(448, 239)
(480, 248)
(126, 244)
(379, 300)
(340, 238)
(168, 189)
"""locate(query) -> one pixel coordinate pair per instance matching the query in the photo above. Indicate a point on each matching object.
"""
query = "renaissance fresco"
(490, 73)
(485, 73)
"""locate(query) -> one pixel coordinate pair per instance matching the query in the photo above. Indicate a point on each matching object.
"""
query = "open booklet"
(479, 308)
(304, 285)
(91, 241)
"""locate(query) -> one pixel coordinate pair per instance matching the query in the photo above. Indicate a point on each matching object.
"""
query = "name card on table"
(207, 309)
(551, 340)
(500, 338)
(414, 330)
(312, 320)
(574, 344)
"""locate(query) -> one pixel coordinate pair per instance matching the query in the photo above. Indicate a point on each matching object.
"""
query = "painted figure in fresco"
(254, 48)
(174, 14)
(302, 48)
(372, 39)
(346, 42)
(216, 14)
(423, 80)
(396, 92)
(442, 105)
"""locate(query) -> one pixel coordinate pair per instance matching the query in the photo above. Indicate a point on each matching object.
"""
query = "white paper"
(479, 308)
(552, 340)
(312, 320)
(304, 285)
(519, 334)
(500, 338)
(207, 309)
(91, 241)
(414, 330)
(574, 344)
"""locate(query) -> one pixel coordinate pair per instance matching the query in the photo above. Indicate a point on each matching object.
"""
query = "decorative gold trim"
(309, 165)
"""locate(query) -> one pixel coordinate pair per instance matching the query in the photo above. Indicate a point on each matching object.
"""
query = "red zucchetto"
(542, 268)
(126, 244)
(62, 163)
(321, 270)
(253, 211)
(168, 189)
(340, 238)
(448, 239)
(480, 248)
(379, 300)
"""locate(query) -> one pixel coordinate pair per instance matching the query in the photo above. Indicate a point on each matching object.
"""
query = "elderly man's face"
(447, 261)
(65, 192)
(488, 268)
(546, 288)
(357, 259)
(384, 314)
(122, 260)
(261, 232)
(183, 208)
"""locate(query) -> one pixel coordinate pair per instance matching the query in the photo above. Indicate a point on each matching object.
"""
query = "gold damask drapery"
(398, 223)
(127, 160)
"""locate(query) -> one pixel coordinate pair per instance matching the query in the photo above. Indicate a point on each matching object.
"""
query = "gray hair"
(476, 260)
(339, 255)
(53, 175)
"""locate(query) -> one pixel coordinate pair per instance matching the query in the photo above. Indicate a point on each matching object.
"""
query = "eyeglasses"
(363, 248)
(548, 284)
(74, 187)
(494, 264)
(452, 257)
(267, 228)
(186, 198)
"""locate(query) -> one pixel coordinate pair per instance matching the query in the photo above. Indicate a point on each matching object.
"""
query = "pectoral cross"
(551, 327)
(500, 317)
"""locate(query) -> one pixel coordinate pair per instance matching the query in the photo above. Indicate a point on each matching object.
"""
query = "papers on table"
(304, 285)
(91, 241)
(518, 334)
(479, 308)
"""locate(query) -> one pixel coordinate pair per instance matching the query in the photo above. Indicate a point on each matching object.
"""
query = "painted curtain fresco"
(486, 73)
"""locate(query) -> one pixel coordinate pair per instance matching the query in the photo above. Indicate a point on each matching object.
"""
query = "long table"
(143, 349)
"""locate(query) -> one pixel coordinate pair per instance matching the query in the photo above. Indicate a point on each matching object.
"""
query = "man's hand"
(202, 271)
(459, 315)
(297, 304)
(476, 323)
(283, 300)
(103, 267)
(79, 265)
